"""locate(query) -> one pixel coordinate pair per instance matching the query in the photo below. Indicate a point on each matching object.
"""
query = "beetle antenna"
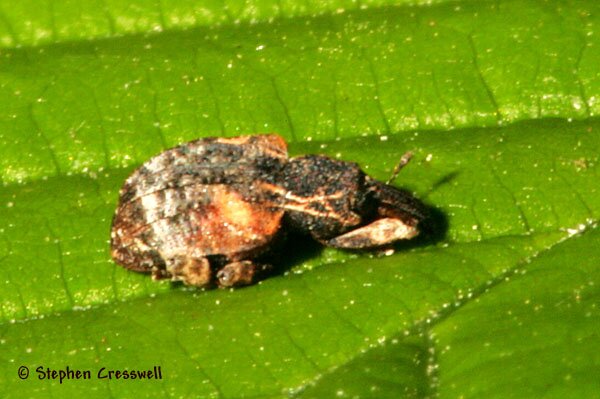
(401, 164)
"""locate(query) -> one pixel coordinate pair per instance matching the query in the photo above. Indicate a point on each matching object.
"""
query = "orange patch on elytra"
(232, 208)
(246, 216)
(231, 225)
(276, 141)
(272, 144)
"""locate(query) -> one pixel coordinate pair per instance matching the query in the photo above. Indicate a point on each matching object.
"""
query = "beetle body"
(203, 212)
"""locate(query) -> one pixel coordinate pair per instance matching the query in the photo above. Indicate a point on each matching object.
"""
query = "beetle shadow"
(292, 250)
(433, 229)
(449, 177)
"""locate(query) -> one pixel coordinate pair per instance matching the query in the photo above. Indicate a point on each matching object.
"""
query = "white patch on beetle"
(380, 232)
(150, 204)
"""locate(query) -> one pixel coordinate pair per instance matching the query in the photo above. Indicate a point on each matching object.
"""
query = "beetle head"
(339, 205)
(395, 203)
(396, 217)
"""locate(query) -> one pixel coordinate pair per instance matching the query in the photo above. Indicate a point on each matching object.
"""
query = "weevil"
(207, 211)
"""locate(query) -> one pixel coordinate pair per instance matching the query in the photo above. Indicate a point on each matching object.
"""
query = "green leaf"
(498, 102)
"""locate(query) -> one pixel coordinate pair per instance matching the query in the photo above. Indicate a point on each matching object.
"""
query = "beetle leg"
(189, 270)
(380, 232)
(240, 273)
(159, 273)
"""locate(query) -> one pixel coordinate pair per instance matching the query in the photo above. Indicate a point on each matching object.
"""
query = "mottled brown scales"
(203, 212)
